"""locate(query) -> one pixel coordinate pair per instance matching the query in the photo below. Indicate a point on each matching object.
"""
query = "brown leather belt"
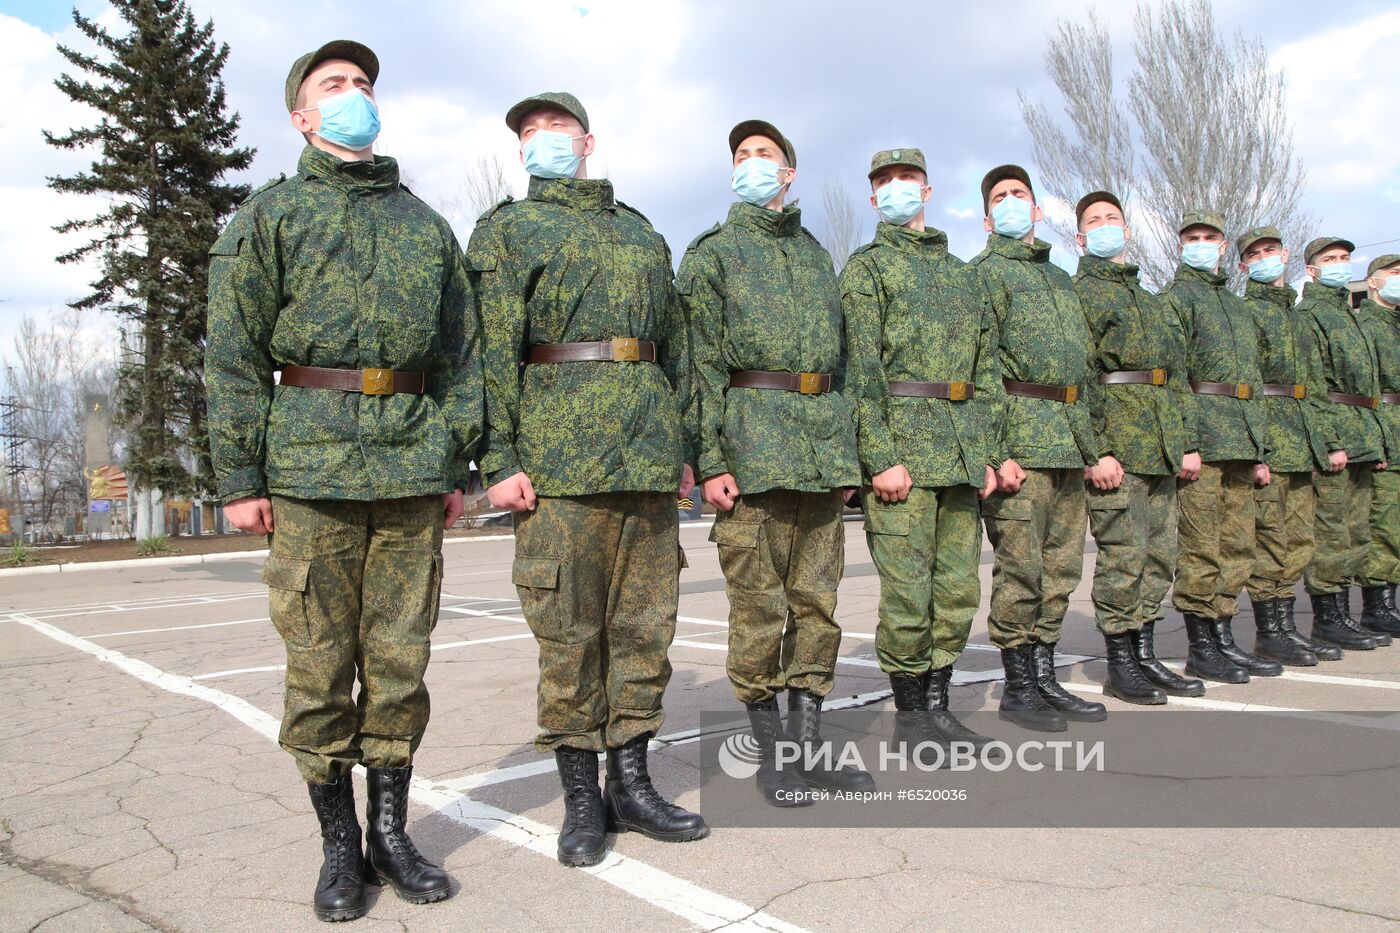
(1067, 394)
(806, 383)
(952, 391)
(1356, 401)
(618, 350)
(1391, 398)
(1295, 390)
(1134, 377)
(366, 381)
(1233, 389)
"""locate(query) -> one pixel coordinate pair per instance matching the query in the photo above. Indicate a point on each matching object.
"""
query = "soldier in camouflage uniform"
(1135, 398)
(1036, 518)
(1346, 357)
(355, 461)
(1300, 439)
(776, 446)
(1381, 321)
(924, 377)
(1225, 424)
(587, 374)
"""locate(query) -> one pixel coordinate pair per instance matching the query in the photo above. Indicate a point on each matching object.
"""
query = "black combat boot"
(913, 724)
(340, 888)
(1021, 702)
(1145, 653)
(634, 804)
(1223, 632)
(390, 856)
(944, 722)
(804, 726)
(1343, 599)
(1126, 680)
(1377, 617)
(1270, 640)
(582, 839)
(1324, 651)
(1332, 623)
(1203, 657)
(780, 787)
(1069, 705)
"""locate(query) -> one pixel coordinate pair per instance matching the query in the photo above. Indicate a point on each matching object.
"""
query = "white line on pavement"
(177, 628)
(439, 647)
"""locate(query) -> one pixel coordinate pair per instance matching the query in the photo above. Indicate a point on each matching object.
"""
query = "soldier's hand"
(892, 485)
(687, 481)
(1336, 461)
(452, 507)
(1190, 467)
(253, 515)
(1380, 465)
(516, 494)
(1261, 474)
(1106, 474)
(1010, 476)
(721, 491)
(989, 484)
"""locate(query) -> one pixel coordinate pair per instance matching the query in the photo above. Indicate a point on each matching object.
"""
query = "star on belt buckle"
(377, 382)
(1299, 390)
(1375, 402)
(809, 383)
(1244, 391)
(626, 349)
(1071, 394)
(1159, 377)
(957, 391)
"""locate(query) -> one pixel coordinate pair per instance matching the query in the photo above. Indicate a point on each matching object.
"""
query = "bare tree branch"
(839, 229)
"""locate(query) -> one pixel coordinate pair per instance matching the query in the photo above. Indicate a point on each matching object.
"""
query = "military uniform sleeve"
(997, 304)
(244, 300)
(456, 382)
(866, 383)
(1096, 318)
(702, 292)
(990, 396)
(1317, 367)
(1180, 383)
(502, 304)
(677, 363)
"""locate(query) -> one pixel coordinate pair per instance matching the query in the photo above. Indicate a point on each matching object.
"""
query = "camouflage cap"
(746, 128)
(1325, 242)
(1001, 173)
(1382, 262)
(1247, 239)
(1201, 217)
(559, 100)
(347, 49)
(1094, 197)
(914, 158)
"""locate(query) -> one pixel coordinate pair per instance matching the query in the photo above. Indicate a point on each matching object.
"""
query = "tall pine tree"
(163, 142)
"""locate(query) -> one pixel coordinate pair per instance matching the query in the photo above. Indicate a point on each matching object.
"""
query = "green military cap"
(1201, 217)
(1001, 173)
(746, 128)
(1325, 242)
(1382, 262)
(1094, 197)
(559, 100)
(914, 158)
(339, 48)
(1247, 239)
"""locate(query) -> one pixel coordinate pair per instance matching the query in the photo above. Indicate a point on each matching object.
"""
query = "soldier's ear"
(1037, 215)
(588, 145)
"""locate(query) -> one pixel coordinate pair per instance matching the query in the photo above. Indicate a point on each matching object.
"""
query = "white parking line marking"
(177, 628)
(441, 647)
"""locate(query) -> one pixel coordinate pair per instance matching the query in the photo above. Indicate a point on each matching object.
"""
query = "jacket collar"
(787, 222)
(1039, 251)
(584, 194)
(901, 237)
(1185, 273)
(1099, 267)
(383, 172)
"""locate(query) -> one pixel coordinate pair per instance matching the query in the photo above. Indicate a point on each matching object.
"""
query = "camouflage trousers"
(1215, 519)
(599, 579)
(1341, 529)
(782, 553)
(1038, 537)
(354, 591)
(1134, 528)
(926, 550)
(1383, 554)
(1283, 535)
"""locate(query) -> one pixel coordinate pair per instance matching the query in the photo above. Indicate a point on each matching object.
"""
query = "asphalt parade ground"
(144, 788)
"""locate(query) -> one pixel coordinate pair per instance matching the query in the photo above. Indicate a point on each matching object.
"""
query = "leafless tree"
(840, 227)
(1204, 124)
(484, 185)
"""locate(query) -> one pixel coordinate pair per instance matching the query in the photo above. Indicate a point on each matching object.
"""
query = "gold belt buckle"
(1299, 390)
(1244, 391)
(1159, 377)
(626, 349)
(957, 391)
(1071, 394)
(377, 382)
(809, 383)
(1374, 400)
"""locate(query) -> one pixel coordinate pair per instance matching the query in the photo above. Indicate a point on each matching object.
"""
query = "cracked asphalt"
(143, 789)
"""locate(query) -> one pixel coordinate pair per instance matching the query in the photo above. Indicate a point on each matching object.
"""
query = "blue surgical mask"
(550, 155)
(1202, 254)
(1011, 217)
(1390, 291)
(756, 181)
(1335, 275)
(899, 201)
(1267, 269)
(1106, 241)
(349, 119)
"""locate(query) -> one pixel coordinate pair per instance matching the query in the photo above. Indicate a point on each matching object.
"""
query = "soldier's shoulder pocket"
(230, 242)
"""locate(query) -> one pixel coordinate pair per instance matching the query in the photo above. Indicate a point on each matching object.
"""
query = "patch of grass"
(155, 546)
(19, 554)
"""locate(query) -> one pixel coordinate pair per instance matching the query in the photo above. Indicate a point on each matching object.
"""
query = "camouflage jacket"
(1043, 339)
(1221, 347)
(1382, 325)
(340, 266)
(1300, 431)
(762, 295)
(914, 311)
(1132, 329)
(568, 264)
(1346, 357)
